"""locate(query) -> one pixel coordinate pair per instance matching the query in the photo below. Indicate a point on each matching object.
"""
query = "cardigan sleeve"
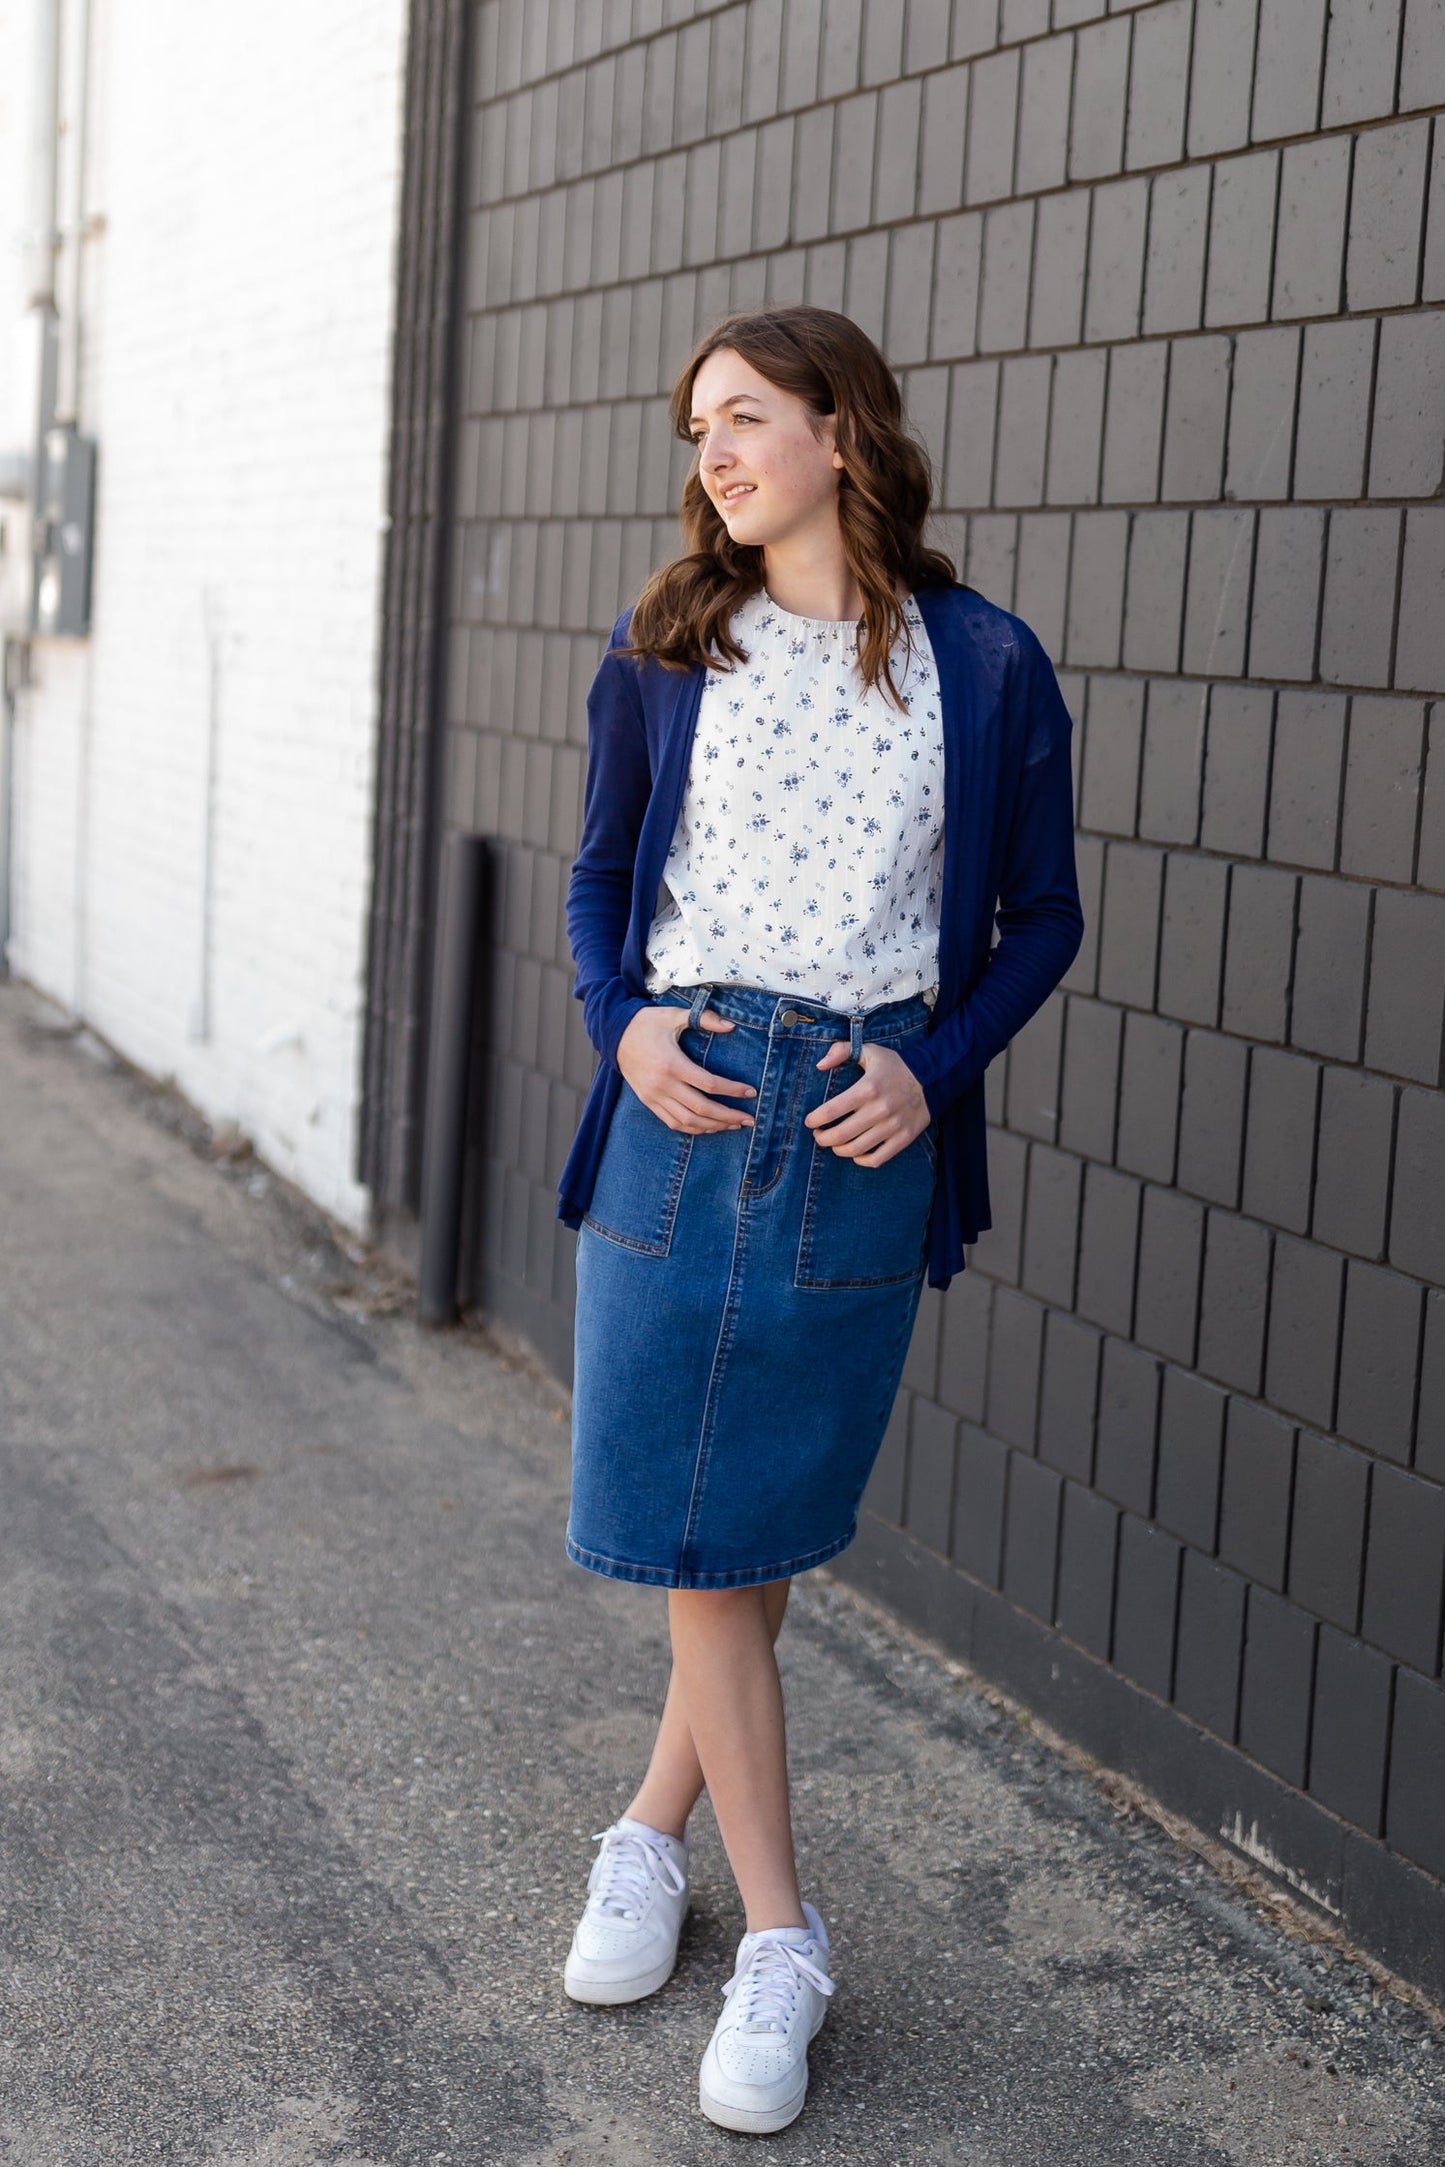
(599, 890)
(1039, 917)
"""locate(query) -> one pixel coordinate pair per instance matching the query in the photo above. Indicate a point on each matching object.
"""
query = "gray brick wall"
(1170, 320)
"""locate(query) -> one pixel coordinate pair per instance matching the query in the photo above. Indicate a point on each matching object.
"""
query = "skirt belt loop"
(855, 1037)
(699, 1003)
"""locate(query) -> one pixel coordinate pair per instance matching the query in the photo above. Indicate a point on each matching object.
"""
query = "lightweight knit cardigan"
(1008, 856)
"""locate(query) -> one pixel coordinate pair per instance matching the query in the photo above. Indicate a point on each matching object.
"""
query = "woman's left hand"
(875, 1117)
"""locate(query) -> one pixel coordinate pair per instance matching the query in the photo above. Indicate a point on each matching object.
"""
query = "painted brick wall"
(1164, 287)
(193, 785)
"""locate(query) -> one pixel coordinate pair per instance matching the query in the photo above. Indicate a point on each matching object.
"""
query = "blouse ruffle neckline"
(815, 624)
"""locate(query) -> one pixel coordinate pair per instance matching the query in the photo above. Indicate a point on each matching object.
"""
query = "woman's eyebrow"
(733, 400)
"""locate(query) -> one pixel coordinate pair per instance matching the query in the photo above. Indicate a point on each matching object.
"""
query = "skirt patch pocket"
(865, 1226)
(642, 1168)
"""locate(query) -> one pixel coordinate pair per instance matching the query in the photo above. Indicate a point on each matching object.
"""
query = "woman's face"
(751, 432)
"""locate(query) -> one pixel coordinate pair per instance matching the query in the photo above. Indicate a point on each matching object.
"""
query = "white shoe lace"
(624, 1868)
(767, 1979)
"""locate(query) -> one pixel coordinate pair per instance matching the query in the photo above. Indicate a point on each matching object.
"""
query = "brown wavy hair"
(885, 490)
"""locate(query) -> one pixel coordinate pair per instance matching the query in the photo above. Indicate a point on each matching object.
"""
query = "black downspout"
(448, 1073)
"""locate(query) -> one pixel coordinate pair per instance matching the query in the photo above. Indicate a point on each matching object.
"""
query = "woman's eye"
(698, 437)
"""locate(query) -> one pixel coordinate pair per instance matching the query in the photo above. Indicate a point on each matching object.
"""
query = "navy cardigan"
(1008, 853)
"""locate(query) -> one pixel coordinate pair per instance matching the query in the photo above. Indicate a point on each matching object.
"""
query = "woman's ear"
(829, 434)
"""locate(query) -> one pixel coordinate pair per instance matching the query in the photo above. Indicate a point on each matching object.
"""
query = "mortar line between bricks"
(1234, 155)
(1343, 688)
(1232, 1869)
(1172, 336)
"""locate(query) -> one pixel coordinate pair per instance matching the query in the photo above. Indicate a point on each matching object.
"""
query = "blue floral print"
(808, 851)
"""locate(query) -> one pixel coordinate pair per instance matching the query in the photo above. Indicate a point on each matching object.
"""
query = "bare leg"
(674, 1779)
(727, 1674)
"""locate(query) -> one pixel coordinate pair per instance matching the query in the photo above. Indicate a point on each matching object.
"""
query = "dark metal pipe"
(448, 1069)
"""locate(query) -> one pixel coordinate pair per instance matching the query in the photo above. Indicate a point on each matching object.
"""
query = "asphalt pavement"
(306, 1721)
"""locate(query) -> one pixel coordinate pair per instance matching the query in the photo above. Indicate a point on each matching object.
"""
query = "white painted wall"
(193, 784)
(17, 62)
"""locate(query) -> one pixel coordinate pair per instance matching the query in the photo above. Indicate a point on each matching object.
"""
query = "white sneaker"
(625, 1944)
(754, 2074)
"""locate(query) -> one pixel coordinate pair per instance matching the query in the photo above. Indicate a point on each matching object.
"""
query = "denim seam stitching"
(784, 1127)
(723, 1342)
(744, 1576)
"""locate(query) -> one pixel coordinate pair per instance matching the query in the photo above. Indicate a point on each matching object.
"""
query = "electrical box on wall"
(64, 532)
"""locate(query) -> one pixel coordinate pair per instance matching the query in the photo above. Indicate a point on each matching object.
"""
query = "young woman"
(819, 769)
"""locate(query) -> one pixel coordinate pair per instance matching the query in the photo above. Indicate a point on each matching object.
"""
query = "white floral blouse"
(808, 852)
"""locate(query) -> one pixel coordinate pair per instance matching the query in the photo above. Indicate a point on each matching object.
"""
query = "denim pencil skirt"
(745, 1300)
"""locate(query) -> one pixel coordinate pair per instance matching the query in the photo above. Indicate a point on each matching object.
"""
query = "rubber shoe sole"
(609, 1992)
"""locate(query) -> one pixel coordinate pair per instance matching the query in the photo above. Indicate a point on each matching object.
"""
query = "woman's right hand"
(680, 1092)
